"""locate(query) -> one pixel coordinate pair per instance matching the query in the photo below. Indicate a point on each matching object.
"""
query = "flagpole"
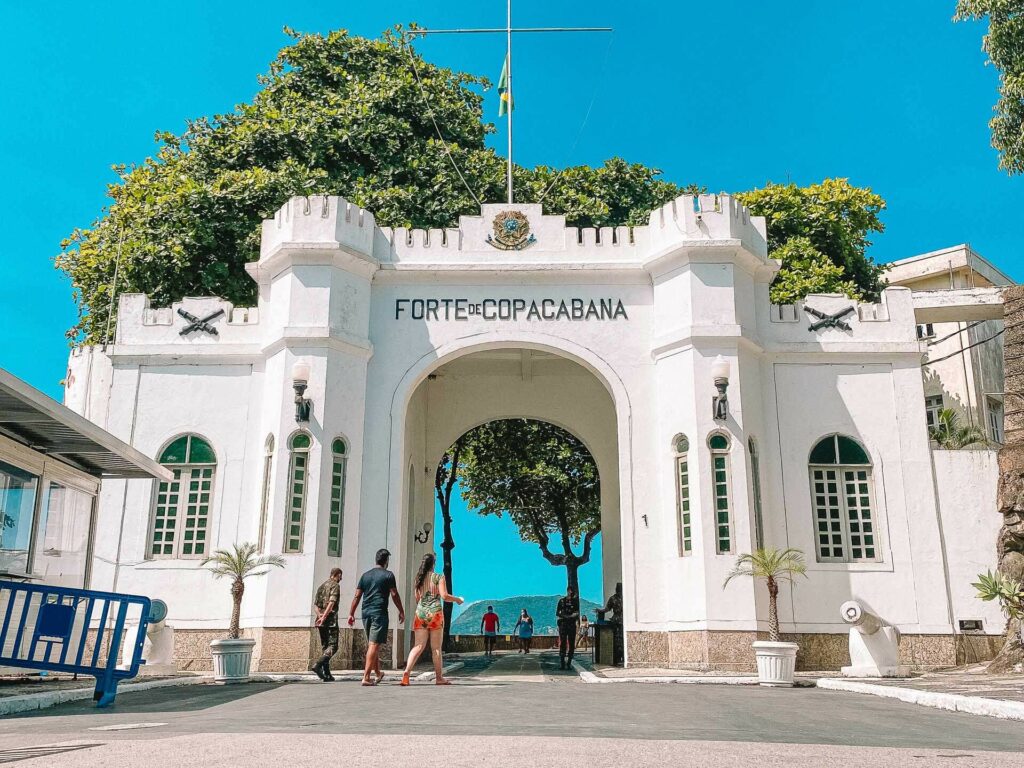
(508, 92)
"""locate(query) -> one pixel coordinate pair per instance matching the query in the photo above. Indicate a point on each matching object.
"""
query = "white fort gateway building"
(411, 338)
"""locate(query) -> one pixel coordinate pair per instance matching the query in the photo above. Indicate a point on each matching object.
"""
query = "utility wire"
(430, 112)
(957, 332)
(969, 346)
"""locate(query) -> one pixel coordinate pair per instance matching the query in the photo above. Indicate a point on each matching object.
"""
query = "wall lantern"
(300, 379)
(423, 536)
(720, 403)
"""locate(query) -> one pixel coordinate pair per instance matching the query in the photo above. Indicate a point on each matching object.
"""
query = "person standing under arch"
(428, 625)
(567, 614)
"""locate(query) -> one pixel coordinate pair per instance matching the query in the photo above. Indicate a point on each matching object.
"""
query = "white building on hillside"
(413, 337)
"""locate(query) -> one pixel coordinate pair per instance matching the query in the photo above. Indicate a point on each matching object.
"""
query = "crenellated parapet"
(319, 221)
(833, 319)
(307, 228)
(706, 218)
(191, 321)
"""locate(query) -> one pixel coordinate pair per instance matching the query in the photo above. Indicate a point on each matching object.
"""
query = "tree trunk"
(237, 590)
(773, 610)
(447, 545)
(572, 574)
(444, 484)
(1010, 544)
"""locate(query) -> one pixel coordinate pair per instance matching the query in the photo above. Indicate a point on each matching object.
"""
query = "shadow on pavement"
(185, 698)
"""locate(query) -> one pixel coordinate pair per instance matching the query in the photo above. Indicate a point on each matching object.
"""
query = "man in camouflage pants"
(328, 595)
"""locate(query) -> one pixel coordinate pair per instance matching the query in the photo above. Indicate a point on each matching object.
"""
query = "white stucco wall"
(338, 292)
(966, 484)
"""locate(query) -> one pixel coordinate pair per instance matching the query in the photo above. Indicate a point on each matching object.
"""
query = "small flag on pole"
(504, 95)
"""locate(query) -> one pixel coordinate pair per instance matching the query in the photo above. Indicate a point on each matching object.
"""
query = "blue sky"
(490, 561)
(892, 95)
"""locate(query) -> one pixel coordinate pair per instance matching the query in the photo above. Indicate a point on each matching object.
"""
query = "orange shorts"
(431, 623)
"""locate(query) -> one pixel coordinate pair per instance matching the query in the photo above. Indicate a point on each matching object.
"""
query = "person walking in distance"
(374, 588)
(326, 600)
(567, 613)
(428, 625)
(583, 638)
(524, 628)
(489, 626)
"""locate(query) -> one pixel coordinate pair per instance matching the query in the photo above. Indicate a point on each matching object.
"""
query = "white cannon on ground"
(874, 646)
(158, 648)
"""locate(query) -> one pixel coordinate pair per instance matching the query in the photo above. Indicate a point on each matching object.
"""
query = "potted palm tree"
(776, 660)
(232, 656)
(950, 434)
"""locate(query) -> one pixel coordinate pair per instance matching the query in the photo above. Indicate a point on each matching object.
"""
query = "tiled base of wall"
(294, 649)
(731, 651)
(277, 649)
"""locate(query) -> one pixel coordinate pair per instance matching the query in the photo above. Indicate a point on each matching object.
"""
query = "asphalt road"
(492, 713)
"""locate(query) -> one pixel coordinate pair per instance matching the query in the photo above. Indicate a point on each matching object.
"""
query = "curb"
(973, 705)
(29, 702)
(589, 677)
(445, 670)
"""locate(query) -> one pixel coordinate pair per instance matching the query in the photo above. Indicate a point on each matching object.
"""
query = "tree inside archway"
(543, 478)
(445, 478)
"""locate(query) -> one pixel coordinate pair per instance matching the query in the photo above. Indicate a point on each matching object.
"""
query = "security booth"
(52, 462)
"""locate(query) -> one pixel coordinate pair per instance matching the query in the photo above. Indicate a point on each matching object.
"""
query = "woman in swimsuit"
(431, 591)
(524, 627)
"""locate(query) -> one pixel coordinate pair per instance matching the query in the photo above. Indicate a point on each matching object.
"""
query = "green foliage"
(951, 435)
(772, 565)
(777, 564)
(542, 477)
(1004, 45)
(1008, 592)
(806, 270)
(239, 563)
(343, 115)
(337, 114)
(812, 227)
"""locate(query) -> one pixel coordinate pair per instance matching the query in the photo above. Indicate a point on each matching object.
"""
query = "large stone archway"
(492, 381)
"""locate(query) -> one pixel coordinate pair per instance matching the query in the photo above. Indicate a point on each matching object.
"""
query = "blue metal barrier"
(56, 629)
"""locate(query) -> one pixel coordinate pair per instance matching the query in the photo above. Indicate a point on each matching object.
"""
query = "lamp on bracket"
(423, 536)
(300, 380)
(720, 402)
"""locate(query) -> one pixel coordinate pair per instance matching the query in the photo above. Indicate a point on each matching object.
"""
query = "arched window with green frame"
(298, 486)
(182, 508)
(336, 511)
(841, 497)
(683, 501)
(718, 443)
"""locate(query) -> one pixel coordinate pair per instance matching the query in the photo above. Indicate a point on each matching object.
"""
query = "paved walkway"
(496, 711)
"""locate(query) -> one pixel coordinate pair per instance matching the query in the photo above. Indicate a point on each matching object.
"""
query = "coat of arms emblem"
(511, 231)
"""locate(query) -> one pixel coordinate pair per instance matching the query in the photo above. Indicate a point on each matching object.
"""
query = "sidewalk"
(963, 689)
(31, 692)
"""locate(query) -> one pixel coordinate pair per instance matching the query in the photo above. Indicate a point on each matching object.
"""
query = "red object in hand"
(351, 620)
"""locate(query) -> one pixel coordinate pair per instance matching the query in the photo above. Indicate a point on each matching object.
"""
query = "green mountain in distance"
(540, 607)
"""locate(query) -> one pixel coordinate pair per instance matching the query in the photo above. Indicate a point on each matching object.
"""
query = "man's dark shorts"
(376, 626)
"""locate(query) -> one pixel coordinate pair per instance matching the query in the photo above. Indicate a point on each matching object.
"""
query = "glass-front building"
(52, 462)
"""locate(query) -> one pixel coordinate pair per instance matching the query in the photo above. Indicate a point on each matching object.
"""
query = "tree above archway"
(544, 479)
(344, 115)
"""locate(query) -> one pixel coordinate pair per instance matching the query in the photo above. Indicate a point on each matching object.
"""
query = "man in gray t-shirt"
(374, 588)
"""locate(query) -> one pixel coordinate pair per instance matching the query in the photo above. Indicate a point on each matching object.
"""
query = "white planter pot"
(232, 659)
(776, 662)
